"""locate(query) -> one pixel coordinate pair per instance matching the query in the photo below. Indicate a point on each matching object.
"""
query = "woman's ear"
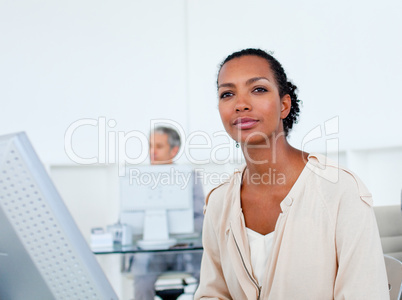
(286, 103)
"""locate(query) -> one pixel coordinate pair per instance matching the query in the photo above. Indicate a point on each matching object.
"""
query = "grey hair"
(173, 136)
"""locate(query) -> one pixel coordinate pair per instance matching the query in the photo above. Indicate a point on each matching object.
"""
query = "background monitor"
(42, 252)
(152, 191)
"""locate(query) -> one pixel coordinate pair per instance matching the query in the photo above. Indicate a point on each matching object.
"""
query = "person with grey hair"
(163, 147)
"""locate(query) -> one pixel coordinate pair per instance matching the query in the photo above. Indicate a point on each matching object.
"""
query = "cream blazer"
(326, 242)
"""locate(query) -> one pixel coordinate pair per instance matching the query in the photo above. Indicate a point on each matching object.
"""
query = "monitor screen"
(158, 188)
(43, 255)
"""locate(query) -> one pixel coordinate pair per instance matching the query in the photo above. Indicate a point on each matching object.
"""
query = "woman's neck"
(279, 160)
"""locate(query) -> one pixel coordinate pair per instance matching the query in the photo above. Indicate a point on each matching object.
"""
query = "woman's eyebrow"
(254, 79)
(248, 82)
(226, 85)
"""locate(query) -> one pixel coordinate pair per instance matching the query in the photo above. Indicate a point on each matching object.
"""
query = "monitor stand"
(156, 232)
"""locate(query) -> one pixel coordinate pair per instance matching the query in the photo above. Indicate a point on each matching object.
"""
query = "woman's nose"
(243, 103)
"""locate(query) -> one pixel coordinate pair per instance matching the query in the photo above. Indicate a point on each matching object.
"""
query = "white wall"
(67, 60)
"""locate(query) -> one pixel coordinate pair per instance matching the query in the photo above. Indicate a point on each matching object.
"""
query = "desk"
(184, 245)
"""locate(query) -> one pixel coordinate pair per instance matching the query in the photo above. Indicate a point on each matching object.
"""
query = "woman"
(290, 225)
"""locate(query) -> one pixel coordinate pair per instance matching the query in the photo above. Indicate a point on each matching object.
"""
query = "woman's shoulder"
(218, 193)
(337, 179)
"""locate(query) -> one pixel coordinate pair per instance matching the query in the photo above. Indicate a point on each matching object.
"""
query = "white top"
(260, 248)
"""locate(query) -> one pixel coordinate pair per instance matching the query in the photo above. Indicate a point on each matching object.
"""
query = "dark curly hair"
(284, 86)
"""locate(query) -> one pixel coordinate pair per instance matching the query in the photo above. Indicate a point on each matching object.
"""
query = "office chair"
(389, 221)
(394, 273)
(172, 285)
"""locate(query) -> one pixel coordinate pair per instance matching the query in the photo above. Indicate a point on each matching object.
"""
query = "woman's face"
(249, 103)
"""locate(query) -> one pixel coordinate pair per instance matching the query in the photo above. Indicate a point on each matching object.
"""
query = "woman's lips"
(245, 123)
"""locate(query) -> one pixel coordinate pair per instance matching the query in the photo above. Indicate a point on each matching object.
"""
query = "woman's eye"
(226, 95)
(260, 90)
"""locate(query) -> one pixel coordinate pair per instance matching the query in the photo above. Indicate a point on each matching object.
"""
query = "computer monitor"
(157, 202)
(42, 252)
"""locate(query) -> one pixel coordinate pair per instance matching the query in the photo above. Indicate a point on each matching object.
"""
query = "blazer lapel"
(237, 241)
(239, 253)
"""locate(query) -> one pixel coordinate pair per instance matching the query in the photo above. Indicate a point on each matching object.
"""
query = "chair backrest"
(394, 273)
(389, 220)
(176, 285)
